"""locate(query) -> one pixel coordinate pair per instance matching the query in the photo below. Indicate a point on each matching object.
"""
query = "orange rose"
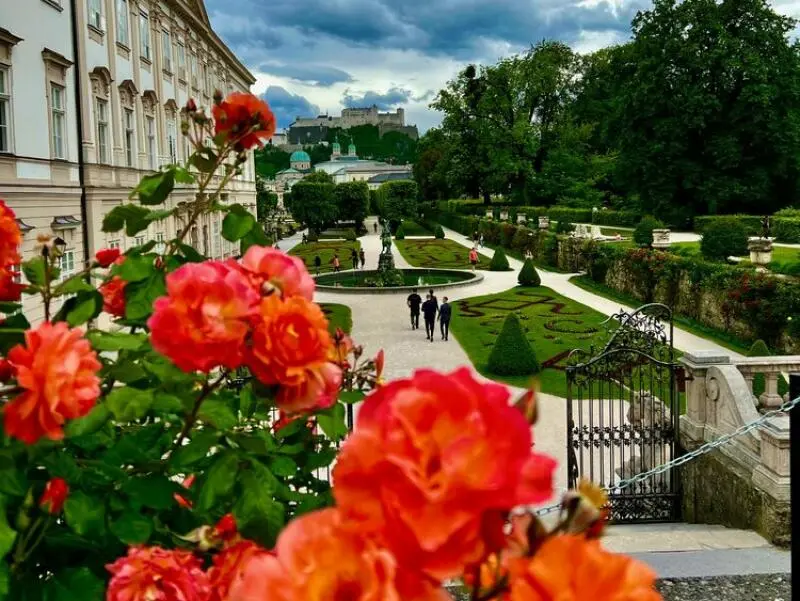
(113, 292)
(10, 291)
(10, 236)
(290, 348)
(341, 349)
(229, 566)
(571, 568)
(318, 560)
(57, 369)
(267, 265)
(203, 321)
(455, 458)
(244, 119)
(148, 573)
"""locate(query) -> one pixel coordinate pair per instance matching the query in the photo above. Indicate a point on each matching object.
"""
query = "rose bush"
(184, 454)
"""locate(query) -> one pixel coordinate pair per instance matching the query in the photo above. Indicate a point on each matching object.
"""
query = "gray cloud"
(287, 106)
(390, 99)
(318, 75)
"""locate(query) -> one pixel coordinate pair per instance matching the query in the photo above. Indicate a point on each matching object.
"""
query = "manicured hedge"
(783, 229)
(512, 354)
(528, 276)
(556, 213)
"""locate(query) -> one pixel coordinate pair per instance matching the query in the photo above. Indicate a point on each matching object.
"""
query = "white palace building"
(90, 98)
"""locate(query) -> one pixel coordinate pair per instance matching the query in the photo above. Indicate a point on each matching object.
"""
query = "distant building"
(348, 167)
(376, 181)
(299, 167)
(312, 130)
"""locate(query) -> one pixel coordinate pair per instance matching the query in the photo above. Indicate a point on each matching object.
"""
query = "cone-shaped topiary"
(528, 275)
(439, 232)
(512, 354)
(499, 261)
(759, 349)
(400, 233)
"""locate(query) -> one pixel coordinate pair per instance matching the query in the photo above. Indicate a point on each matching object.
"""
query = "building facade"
(137, 63)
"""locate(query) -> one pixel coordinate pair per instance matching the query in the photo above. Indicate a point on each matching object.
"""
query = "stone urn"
(521, 218)
(544, 223)
(503, 215)
(489, 214)
(661, 239)
(760, 251)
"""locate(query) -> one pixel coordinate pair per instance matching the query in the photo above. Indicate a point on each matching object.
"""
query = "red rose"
(106, 256)
(244, 119)
(154, 573)
(55, 493)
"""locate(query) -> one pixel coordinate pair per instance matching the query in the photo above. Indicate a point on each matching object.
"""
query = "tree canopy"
(313, 204)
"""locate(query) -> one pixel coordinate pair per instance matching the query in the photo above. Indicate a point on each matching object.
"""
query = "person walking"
(337, 266)
(429, 312)
(375, 227)
(414, 301)
(433, 298)
(354, 258)
(317, 264)
(445, 312)
(473, 258)
(362, 257)
(480, 241)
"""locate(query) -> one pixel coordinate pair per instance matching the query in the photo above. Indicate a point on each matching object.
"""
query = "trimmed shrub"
(512, 354)
(788, 212)
(528, 276)
(620, 218)
(786, 229)
(499, 261)
(350, 235)
(564, 227)
(571, 215)
(400, 233)
(643, 234)
(439, 232)
(723, 238)
(312, 236)
(752, 223)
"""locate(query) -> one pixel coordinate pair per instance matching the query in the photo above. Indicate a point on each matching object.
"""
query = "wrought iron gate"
(622, 415)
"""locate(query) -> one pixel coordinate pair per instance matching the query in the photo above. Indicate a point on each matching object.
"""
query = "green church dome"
(299, 156)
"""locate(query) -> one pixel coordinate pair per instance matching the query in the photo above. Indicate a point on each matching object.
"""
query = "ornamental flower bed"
(177, 458)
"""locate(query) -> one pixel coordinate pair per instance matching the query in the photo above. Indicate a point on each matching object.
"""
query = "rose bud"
(55, 493)
(106, 256)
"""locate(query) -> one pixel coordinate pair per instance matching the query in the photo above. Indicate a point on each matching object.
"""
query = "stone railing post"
(770, 399)
(698, 413)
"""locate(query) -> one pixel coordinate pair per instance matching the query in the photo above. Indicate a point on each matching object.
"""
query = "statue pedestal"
(386, 262)
(760, 251)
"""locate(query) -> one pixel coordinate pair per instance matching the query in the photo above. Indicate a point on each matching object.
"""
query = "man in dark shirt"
(433, 298)
(414, 301)
(429, 312)
(317, 264)
(445, 311)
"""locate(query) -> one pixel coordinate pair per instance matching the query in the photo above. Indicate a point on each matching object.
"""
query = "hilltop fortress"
(310, 130)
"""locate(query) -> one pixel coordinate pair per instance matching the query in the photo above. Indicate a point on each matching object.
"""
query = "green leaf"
(132, 528)
(190, 254)
(154, 189)
(85, 514)
(128, 404)
(136, 268)
(219, 481)
(155, 492)
(127, 372)
(204, 159)
(217, 413)
(7, 534)
(258, 515)
(89, 423)
(9, 308)
(237, 223)
(283, 466)
(168, 403)
(115, 341)
(130, 216)
(140, 296)
(5, 580)
(183, 176)
(255, 237)
(73, 286)
(34, 271)
(247, 401)
(332, 422)
(86, 306)
(197, 449)
(79, 584)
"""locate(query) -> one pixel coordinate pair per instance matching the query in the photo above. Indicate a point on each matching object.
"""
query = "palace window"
(172, 138)
(166, 50)
(130, 132)
(5, 109)
(95, 9)
(123, 37)
(181, 61)
(66, 264)
(150, 124)
(58, 120)
(144, 36)
(102, 131)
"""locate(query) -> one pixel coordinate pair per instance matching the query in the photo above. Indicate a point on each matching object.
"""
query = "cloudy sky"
(317, 56)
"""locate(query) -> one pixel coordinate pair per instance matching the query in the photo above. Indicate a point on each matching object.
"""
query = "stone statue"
(386, 239)
(765, 227)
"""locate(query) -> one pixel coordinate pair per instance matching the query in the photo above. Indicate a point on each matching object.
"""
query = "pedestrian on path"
(317, 264)
(375, 227)
(433, 298)
(354, 258)
(480, 241)
(429, 312)
(473, 258)
(445, 312)
(362, 257)
(337, 266)
(414, 301)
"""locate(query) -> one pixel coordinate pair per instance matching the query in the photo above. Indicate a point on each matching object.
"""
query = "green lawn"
(613, 231)
(414, 228)
(339, 316)
(442, 254)
(325, 250)
(685, 323)
(784, 260)
(555, 325)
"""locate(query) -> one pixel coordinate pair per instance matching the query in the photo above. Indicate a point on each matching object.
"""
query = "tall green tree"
(432, 166)
(709, 120)
(266, 201)
(352, 202)
(313, 204)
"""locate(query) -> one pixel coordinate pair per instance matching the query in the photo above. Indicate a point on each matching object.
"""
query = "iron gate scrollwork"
(622, 415)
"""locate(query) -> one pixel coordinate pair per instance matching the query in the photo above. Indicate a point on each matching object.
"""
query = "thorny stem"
(23, 550)
(46, 289)
(192, 417)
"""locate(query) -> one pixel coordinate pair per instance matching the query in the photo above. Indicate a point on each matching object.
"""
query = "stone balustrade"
(772, 368)
(745, 482)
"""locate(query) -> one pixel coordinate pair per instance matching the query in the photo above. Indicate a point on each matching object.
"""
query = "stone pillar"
(489, 214)
(522, 218)
(544, 222)
(696, 364)
(760, 251)
(503, 215)
(770, 399)
(661, 239)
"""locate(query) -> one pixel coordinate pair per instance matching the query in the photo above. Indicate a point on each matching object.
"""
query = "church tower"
(337, 150)
(351, 150)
